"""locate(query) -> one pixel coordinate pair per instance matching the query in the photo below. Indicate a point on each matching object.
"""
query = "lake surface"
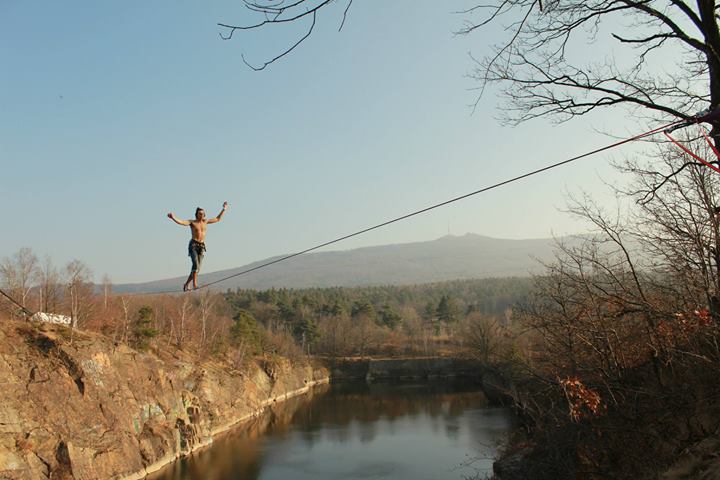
(359, 432)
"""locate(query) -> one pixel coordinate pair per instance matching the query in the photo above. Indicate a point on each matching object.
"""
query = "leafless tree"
(206, 303)
(414, 328)
(364, 333)
(679, 229)
(657, 263)
(80, 290)
(624, 321)
(484, 336)
(334, 331)
(125, 304)
(183, 309)
(543, 69)
(106, 289)
(543, 74)
(19, 272)
(49, 288)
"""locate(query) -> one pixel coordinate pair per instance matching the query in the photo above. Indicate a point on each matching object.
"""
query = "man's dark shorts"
(196, 250)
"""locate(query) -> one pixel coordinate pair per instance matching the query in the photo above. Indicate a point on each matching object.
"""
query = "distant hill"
(447, 258)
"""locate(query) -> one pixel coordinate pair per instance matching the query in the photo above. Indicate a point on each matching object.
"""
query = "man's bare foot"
(185, 288)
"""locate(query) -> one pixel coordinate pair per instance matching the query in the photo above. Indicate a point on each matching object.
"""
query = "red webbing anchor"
(699, 118)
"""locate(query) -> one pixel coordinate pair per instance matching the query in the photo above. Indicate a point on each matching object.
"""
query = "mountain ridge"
(449, 257)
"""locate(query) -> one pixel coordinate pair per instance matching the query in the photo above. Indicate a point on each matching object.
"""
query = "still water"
(359, 431)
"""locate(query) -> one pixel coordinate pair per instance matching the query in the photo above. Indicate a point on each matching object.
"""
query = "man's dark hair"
(198, 210)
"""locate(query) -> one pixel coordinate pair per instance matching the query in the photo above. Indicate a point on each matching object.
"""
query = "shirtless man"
(196, 249)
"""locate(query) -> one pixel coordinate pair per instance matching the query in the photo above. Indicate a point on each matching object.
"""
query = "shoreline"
(235, 422)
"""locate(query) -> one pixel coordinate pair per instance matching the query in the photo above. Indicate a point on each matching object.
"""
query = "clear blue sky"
(114, 113)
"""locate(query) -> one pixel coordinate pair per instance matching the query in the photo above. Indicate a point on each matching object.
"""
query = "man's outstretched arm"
(222, 212)
(184, 223)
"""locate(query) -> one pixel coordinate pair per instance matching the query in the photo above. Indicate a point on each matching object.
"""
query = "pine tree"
(142, 328)
(245, 329)
(446, 310)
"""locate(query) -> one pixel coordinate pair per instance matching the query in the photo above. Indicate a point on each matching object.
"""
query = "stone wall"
(492, 380)
(84, 408)
(410, 369)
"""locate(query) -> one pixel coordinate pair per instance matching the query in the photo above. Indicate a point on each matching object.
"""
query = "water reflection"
(358, 431)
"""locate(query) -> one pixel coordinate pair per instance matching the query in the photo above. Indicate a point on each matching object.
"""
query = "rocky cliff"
(84, 408)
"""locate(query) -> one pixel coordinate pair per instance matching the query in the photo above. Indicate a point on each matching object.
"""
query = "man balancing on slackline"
(196, 249)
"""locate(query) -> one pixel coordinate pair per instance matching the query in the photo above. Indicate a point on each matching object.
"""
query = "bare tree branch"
(280, 13)
(302, 39)
(347, 8)
(538, 78)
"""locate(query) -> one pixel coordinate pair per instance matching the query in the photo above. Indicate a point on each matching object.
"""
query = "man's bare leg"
(194, 279)
(187, 282)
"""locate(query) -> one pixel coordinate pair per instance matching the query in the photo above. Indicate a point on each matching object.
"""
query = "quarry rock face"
(81, 407)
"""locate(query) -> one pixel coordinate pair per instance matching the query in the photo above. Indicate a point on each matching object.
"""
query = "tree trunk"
(712, 55)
